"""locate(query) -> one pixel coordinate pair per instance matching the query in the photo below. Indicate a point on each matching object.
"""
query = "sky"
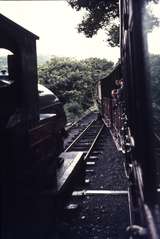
(154, 36)
(55, 22)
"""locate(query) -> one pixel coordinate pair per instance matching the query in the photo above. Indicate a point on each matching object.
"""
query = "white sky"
(55, 23)
(154, 36)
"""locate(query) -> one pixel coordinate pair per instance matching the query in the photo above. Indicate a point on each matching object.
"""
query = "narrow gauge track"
(98, 207)
(87, 139)
(79, 127)
(87, 116)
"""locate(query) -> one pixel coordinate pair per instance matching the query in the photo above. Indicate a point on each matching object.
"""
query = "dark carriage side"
(104, 89)
(111, 107)
(136, 115)
(143, 188)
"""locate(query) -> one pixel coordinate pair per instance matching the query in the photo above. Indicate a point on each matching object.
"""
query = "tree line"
(74, 81)
(104, 14)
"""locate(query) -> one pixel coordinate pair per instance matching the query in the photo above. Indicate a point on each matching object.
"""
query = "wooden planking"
(71, 165)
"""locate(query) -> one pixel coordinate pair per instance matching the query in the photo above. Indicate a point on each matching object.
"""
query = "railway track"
(97, 207)
(78, 127)
(86, 140)
(86, 116)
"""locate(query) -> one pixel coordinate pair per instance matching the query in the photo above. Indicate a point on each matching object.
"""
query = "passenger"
(114, 93)
(121, 90)
(117, 83)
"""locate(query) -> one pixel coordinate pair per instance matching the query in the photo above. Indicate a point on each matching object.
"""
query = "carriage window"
(5, 77)
(151, 24)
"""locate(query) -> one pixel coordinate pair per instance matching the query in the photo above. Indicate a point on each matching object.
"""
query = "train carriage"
(136, 70)
(133, 118)
(110, 105)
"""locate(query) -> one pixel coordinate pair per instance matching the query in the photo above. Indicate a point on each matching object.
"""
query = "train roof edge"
(8, 25)
(115, 67)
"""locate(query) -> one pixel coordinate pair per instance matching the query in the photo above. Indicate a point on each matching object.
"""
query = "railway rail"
(87, 115)
(78, 127)
(87, 138)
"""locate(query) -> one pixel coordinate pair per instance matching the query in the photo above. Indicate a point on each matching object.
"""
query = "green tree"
(155, 78)
(73, 81)
(103, 14)
(100, 14)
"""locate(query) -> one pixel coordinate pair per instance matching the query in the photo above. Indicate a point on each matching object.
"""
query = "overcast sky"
(154, 36)
(55, 22)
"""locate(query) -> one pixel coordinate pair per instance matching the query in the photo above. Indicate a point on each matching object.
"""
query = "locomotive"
(48, 101)
(127, 108)
(32, 122)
